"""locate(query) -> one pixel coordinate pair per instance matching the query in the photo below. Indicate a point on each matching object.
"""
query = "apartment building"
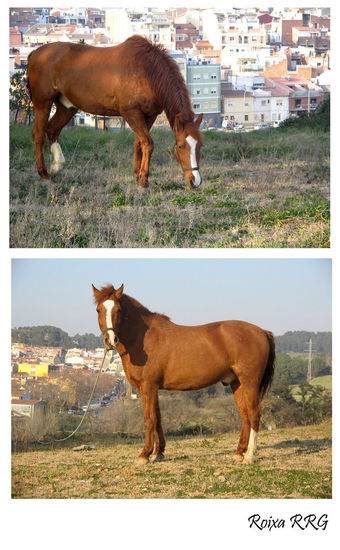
(204, 85)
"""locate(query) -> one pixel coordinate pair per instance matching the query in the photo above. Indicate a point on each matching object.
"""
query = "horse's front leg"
(143, 144)
(137, 159)
(148, 392)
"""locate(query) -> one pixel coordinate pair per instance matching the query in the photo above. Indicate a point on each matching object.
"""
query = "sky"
(276, 294)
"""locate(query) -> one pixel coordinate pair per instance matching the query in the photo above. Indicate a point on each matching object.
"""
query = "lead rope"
(85, 412)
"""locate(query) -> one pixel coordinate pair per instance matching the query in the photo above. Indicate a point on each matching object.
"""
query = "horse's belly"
(196, 374)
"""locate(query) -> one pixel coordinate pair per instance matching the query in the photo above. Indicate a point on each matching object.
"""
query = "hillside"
(292, 463)
(45, 335)
(267, 188)
(292, 341)
(297, 341)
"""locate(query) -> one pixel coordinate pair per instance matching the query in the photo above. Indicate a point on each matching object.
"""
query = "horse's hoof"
(237, 458)
(142, 460)
(142, 181)
(55, 168)
(158, 458)
(248, 459)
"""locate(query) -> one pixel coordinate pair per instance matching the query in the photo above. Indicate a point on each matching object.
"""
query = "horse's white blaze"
(109, 305)
(193, 142)
(66, 102)
(58, 158)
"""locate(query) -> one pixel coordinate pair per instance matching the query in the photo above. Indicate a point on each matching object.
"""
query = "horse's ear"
(178, 122)
(199, 120)
(119, 291)
(96, 293)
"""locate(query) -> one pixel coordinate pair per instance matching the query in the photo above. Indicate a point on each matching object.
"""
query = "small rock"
(84, 448)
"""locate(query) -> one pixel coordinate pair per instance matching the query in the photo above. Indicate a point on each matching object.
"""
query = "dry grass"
(292, 463)
(265, 189)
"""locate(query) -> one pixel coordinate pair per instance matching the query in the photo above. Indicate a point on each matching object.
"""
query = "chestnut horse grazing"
(158, 354)
(136, 80)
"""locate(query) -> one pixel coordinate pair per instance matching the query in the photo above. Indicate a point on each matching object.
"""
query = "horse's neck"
(136, 319)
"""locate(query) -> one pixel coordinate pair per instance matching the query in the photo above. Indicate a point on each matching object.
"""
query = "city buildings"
(222, 53)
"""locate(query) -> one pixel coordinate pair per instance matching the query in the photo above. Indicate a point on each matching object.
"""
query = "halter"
(190, 169)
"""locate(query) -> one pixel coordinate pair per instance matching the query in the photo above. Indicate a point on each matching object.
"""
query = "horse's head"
(109, 314)
(188, 145)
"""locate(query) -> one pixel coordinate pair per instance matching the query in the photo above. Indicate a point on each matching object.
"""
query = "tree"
(20, 101)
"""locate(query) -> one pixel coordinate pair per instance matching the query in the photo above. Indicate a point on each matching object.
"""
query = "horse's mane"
(164, 75)
(127, 302)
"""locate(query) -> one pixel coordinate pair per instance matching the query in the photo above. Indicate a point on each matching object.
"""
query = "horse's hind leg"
(159, 436)
(252, 401)
(41, 114)
(61, 117)
(245, 430)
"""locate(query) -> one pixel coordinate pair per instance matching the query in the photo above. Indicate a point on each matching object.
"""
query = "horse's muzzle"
(110, 343)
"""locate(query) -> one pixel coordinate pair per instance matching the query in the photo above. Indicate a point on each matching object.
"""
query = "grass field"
(260, 189)
(324, 381)
(292, 463)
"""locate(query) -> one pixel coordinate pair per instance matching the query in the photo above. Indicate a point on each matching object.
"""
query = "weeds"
(260, 189)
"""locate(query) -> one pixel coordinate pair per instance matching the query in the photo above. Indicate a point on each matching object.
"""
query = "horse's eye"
(180, 146)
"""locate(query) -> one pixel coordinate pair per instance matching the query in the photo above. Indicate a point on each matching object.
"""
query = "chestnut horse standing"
(158, 354)
(136, 80)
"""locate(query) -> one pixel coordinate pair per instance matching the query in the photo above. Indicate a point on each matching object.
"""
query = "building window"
(246, 104)
(263, 102)
(298, 103)
(196, 76)
(205, 76)
(197, 91)
(262, 118)
(230, 104)
(246, 118)
(213, 76)
(197, 105)
(213, 91)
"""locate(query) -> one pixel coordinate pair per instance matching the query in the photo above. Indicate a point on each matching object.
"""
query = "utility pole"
(309, 367)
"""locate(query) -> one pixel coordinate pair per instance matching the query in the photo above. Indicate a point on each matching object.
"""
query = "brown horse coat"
(136, 80)
(158, 354)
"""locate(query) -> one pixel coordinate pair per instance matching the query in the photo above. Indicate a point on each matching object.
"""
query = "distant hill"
(46, 335)
(298, 341)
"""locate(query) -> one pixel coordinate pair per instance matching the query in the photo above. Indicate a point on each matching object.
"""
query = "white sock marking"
(252, 443)
(193, 142)
(66, 102)
(58, 158)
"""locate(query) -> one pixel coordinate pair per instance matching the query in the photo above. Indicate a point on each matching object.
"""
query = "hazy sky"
(278, 295)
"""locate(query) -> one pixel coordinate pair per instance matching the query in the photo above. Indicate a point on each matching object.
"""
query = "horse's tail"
(269, 372)
(27, 80)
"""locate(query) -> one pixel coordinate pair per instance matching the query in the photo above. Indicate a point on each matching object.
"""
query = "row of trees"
(293, 341)
(298, 341)
(46, 335)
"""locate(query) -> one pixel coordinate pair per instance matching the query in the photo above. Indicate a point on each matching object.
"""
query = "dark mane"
(126, 301)
(164, 75)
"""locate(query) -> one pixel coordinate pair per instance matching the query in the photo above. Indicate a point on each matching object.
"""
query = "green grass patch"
(260, 189)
